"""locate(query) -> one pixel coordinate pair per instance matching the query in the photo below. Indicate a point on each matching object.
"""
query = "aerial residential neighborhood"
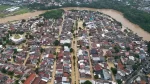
(78, 47)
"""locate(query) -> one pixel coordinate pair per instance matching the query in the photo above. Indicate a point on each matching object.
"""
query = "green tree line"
(55, 14)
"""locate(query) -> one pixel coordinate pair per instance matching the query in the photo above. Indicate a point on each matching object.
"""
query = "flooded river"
(113, 13)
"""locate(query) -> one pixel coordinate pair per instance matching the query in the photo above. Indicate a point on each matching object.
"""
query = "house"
(106, 74)
(93, 51)
(37, 80)
(30, 79)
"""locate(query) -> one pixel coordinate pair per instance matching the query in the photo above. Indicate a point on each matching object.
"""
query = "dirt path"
(54, 71)
(76, 58)
(110, 64)
(26, 58)
(91, 69)
(73, 77)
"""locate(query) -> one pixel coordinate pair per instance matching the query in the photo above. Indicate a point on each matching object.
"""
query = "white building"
(18, 40)
(12, 9)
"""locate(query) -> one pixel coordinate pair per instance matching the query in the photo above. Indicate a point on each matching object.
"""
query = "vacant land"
(3, 7)
(4, 13)
(21, 11)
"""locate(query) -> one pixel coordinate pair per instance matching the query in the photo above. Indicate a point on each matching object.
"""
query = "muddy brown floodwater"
(113, 13)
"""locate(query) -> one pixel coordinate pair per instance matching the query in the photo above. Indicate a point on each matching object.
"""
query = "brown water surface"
(113, 13)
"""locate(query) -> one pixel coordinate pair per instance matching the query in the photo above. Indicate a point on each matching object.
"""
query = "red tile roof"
(65, 74)
(97, 67)
(30, 79)
(37, 80)
(51, 56)
(42, 82)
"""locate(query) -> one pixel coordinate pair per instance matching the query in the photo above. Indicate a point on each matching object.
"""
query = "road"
(76, 57)
(26, 58)
(57, 50)
(133, 75)
(91, 69)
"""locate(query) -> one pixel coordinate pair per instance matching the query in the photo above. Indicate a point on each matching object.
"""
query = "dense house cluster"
(63, 68)
(47, 65)
(45, 2)
(140, 4)
(83, 55)
(87, 44)
(63, 63)
(31, 56)
(110, 47)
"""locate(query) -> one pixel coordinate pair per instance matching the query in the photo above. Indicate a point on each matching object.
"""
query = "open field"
(21, 11)
(3, 7)
(4, 13)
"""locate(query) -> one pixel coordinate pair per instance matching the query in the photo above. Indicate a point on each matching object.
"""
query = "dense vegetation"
(148, 47)
(55, 14)
(87, 82)
(135, 16)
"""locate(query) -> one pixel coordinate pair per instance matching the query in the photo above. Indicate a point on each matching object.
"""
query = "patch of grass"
(3, 7)
(17, 36)
(2, 15)
(21, 11)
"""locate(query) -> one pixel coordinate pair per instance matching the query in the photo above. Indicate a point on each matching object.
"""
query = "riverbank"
(113, 13)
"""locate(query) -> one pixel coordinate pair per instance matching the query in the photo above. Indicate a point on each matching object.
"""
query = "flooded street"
(113, 13)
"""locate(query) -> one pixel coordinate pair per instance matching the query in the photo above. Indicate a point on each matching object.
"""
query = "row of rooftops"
(106, 35)
(121, 47)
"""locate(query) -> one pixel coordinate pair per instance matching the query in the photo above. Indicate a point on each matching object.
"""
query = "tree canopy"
(87, 82)
(56, 42)
(148, 47)
(54, 14)
(114, 70)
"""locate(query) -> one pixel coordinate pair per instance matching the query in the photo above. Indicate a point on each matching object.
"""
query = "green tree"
(17, 82)
(148, 46)
(87, 47)
(84, 24)
(114, 70)
(71, 50)
(11, 73)
(14, 57)
(119, 81)
(116, 49)
(42, 50)
(15, 51)
(135, 66)
(116, 57)
(3, 70)
(128, 48)
(72, 31)
(56, 42)
(96, 77)
(137, 56)
(18, 76)
(22, 81)
(55, 14)
(37, 70)
(87, 82)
